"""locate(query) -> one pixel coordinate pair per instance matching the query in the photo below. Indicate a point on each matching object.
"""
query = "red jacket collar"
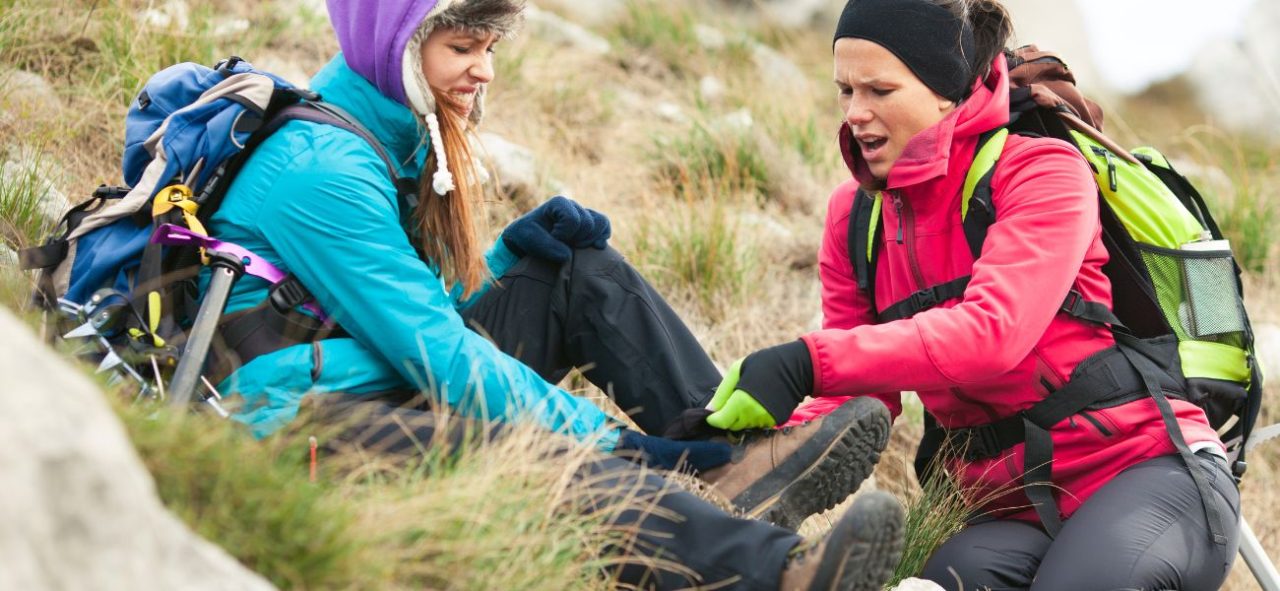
(927, 156)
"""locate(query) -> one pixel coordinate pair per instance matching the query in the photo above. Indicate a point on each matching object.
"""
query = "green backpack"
(1175, 285)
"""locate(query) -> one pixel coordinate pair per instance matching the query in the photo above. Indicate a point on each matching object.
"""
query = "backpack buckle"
(1073, 299)
(924, 299)
(977, 443)
(288, 294)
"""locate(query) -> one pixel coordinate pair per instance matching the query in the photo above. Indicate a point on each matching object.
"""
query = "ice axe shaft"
(226, 270)
(1255, 557)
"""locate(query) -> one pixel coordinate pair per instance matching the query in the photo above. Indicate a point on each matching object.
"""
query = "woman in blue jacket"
(402, 273)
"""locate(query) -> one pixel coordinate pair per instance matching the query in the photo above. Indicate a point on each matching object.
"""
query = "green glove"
(736, 410)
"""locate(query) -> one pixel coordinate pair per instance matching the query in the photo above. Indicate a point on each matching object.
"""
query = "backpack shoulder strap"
(977, 211)
(317, 111)
(864, 240)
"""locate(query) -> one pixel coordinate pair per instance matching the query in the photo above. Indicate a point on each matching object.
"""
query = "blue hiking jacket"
(317, 202)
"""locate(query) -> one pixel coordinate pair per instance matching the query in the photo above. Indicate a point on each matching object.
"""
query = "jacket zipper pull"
(1111, 173)
(897, 210)
(1112, 180)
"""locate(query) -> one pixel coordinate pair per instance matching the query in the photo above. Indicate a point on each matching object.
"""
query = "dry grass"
(731, 236)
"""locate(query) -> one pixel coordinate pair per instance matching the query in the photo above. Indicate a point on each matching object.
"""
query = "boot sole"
(865, 546)
(863, 432)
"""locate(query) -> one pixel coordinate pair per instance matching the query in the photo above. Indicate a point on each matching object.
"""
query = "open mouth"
(870, 144)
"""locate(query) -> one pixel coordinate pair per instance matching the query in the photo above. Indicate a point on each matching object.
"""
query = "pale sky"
(1155, 38)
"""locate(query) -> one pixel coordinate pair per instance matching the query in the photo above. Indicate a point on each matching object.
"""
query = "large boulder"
(794, 14)
(1057, 27)
(1266, 343)
(551, 28)
(516, 168)
(79, 509)
(28, 95)
(1237, 82)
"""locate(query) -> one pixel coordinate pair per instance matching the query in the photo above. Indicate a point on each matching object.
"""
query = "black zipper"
(1096, 423)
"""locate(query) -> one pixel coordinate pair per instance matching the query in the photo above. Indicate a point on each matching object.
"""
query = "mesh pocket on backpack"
(1198, 293)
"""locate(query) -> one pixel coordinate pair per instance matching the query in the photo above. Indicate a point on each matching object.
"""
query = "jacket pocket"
(1097, 423)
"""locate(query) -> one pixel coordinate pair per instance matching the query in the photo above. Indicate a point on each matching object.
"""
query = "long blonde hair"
(452, 224)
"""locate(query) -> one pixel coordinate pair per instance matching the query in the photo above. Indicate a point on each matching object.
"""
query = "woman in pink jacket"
(1098, 497)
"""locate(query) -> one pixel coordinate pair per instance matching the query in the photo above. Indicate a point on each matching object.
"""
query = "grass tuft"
(697, 250)
(710, 161)
(25, 210)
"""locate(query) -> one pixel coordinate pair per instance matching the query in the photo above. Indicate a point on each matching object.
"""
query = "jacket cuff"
(500, 258)
(778, 377)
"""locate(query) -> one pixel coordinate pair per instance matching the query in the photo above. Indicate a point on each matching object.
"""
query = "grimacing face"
(883, 102)
(457, 62)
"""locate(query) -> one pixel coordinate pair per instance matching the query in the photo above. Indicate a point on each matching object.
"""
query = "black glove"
(667, 454)
(552, 230)
(778, 378)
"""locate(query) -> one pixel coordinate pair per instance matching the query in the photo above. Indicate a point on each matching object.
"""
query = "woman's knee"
(595, 260)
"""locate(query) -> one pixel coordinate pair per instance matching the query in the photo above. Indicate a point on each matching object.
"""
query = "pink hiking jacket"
(989, 354)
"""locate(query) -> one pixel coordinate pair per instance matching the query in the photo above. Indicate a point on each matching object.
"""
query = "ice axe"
(228, 262)
(1251, 550)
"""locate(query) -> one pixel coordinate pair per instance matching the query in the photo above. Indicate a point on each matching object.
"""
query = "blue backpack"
(121, 268)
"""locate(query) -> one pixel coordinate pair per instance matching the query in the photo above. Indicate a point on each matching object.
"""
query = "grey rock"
(739, 121)
(1060, 30)
(796, 14)
(515, 166)
(793, 14)
(1266, 337)
(1238, 82)
(914, 584)
(173, 14)
(24, 94)
(8, 257)
(709, 37)
(711, 89)
(230, 27)
(594, 12)
(549, 27)
(80, 510)
(25, 169)
(670, 111)
(776, 70)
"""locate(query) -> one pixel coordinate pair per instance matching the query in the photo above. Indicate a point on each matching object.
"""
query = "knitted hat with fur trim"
(501, 17)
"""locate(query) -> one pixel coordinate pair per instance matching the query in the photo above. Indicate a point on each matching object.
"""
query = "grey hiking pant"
(596, 313)
(1145, 529)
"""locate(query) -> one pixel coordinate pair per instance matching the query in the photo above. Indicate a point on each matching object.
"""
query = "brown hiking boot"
(785, 475)
(858, 554)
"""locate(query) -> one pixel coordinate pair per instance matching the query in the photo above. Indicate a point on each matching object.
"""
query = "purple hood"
(373, 35)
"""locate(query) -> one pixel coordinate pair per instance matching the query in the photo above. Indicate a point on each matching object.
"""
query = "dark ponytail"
(991, 24)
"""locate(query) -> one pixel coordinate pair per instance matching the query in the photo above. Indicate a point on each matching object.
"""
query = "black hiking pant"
(596, 313)
(1145, 529)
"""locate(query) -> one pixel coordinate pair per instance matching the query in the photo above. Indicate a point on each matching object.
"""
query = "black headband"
(937, 46)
